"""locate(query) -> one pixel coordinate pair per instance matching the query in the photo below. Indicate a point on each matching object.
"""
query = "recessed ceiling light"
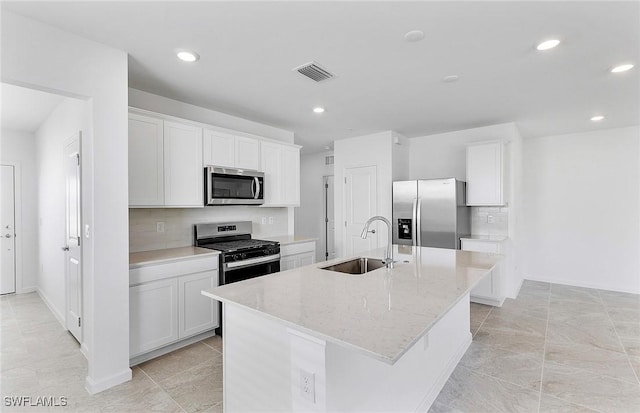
(597, 118)
(414, 36)
(548, 44)
(451, 78)
(187, 56)
(621, 68)
(319, 109)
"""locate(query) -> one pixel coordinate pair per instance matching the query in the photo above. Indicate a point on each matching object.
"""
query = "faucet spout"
(389, 253)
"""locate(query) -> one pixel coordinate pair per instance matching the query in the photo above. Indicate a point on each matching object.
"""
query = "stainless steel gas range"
(242, 257)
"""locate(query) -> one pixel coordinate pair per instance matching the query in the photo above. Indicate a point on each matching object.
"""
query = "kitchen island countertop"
(381, 314)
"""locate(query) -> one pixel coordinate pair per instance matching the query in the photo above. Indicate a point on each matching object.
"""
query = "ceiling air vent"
(314, 71)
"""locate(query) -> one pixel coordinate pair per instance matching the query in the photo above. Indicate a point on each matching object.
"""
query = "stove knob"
(244, 256)
(235, 257)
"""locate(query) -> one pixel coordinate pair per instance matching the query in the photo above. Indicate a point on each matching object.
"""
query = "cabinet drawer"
(481, 246)
(300, 248)
(157, 272)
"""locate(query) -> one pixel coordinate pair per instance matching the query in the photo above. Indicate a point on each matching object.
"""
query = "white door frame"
(17, 185)
(78, 332)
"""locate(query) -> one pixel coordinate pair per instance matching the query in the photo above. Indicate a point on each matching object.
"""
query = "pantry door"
(360, 201)
(8, 257)
(73, 236)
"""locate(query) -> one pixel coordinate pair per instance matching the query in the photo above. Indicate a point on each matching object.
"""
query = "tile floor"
(554, 349)
(39, 358)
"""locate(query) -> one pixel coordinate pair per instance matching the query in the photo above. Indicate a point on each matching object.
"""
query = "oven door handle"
(252, 261)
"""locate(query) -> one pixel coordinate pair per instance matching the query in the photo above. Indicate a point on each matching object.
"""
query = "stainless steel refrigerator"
(430, 213)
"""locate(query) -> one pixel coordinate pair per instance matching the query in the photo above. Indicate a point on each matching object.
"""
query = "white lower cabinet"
(491, 290)
(153, 315)
(197, 312)
(166, 304)
(297, 255)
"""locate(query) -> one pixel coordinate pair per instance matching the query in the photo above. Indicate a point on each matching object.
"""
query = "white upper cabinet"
(247, 153)
(219, 148)
(165, 163)
(485, 174)
(146, 161)
(281, 167)
(183, 173)
(225, 149)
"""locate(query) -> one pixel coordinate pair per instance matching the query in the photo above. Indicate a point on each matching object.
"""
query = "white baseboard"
(574, 283)
(134, 361)
(58, 315)
(444, 376)
(26, 290)
(84, 349)
(93, 386)
(487, 301)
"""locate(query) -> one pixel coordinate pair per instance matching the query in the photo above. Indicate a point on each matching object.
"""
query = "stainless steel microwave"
(227, 186)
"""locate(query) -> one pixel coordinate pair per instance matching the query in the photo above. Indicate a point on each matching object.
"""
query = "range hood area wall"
(178, 224)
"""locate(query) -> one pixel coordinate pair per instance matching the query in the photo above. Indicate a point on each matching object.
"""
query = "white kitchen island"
(310, 339)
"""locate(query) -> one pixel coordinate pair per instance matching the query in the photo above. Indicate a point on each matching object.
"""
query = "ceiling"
(248, 51)
(25, 109)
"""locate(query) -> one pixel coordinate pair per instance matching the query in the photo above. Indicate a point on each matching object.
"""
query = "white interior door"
(329, 216)
(8, 276)
(360, 197)
(73, 234)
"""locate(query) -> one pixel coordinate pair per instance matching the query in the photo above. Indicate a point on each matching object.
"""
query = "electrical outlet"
(86, 231)
(263, 220)
(270, 220)
(308, 385)
(491, 219)
(159, 226)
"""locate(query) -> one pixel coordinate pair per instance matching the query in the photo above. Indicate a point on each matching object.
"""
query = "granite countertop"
(381, 314)
(289, 239)
(480, 237)
(141, 259)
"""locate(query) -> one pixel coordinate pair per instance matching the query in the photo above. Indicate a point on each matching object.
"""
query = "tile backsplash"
(178, 224)
(490, 221)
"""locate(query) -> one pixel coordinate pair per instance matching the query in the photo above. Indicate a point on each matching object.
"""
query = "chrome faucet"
(388, 259)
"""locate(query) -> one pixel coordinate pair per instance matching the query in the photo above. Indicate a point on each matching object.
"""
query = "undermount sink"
(357, 266)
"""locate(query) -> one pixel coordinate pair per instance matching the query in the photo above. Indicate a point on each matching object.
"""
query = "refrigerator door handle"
(414, 223)
(418, 223)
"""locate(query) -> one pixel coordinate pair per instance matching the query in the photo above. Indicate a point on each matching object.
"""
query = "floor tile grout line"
(544, 346)
(211, 347)
(163, 390)
(482, 323)
(574, 403)
(606, 309)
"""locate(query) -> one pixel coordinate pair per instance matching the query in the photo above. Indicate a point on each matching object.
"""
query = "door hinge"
(78, 158)
(326, 255)
(345, 180)
(345, 224)
(79, 322)
(326, 186)
(78, 241)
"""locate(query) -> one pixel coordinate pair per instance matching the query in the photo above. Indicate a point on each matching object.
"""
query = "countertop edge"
(173, 259)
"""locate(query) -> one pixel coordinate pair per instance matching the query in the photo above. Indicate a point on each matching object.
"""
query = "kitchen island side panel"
(257, 363)
(264, 360)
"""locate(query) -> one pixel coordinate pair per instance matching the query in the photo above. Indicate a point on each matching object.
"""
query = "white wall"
(444, 156)
(581, 209)
(179, 224)
(161, 104)
(69, 117)
(309, 217)
(43, 57)
(19, 147)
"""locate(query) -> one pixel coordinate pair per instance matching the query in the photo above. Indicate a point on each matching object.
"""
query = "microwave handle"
(256, 194)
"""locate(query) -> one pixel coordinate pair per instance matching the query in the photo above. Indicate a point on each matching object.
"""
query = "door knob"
(7, 236)
(65, 248)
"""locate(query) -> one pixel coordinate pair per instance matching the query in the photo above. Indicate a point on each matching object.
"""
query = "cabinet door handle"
(65, 248)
